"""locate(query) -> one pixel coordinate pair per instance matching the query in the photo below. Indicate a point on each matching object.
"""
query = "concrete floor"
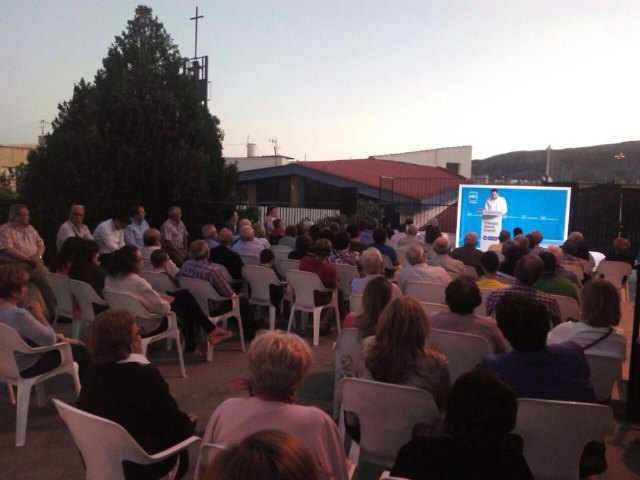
(50, 452)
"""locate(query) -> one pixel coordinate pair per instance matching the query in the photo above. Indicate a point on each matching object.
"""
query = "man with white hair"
(173, 235)
(442, 259)
(74, 227)
(469, 254)
(410, 237)
(248, 244)
(371, 262)
(416, 270)
(210, 235)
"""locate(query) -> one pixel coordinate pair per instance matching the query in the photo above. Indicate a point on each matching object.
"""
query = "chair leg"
(210, 351)
(12, 395)
(316, 325)
(176, 334)
(76, 328)
(145, 345)
(272, 317)
(22, 411)
(76, 378)
(292, 316)
(241, 331)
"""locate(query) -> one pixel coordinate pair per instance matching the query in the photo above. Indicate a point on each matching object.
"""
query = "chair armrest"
(56, 346)
(175, 449)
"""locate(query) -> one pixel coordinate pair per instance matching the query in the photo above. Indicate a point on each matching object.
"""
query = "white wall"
(254, 163)
(437, 157)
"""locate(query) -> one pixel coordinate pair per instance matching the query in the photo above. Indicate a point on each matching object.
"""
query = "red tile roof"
(369, 170)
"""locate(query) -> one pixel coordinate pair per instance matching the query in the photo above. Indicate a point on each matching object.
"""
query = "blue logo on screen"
(472, 197)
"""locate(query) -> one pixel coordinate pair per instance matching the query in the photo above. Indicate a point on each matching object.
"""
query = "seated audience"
(371, 263)
(380, 243)
(354, 239)
(223, 255)
(550, 282)
(248, 244)
(162, 264)
(535, 239)
(210, 235)
(133, 234)
(366, 231)
(320, 265)
(560, 270)
(533, 368)
(512, 252)
(416, 270)
(468, 253)
(399, 354)
(278, 362)
(85, 266)
(410, 237)
(377, 295)
(267, 455)
(231, 220)
(481, 411)
(276, 292)
(74, 227)
(597, 331)
(490, 280)
(442, 258)
(431, 234)
(198, 266)
(570, 259)
(462, 297)
(279, 231)
(109, 235)
(303, 248)
(621, 252)
(174, 235)
(289, 239)
(528, 272)
(503, 236)
(261, 235)
(151, 241)
(341, 252)
(123, 276)
(122, 387)
(270, 217)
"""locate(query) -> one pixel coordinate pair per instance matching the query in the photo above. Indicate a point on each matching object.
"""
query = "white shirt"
(615, 345)
(134, 231)
(173, 270)
(423, 273)
(68, 229)
(497, 205)
(108, 238)
(252, 248)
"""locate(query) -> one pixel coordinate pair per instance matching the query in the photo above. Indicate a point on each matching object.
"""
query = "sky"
(338, 79)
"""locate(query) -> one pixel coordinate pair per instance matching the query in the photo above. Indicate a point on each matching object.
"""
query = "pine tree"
(137, 134)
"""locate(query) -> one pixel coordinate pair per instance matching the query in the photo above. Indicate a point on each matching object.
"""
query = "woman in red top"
(320, 265)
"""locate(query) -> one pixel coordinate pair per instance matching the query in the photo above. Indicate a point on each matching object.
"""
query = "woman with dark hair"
(377, 295)
(399, 353)
(267, 455)
(86, 268)
(66, 255)
(431, 235)
(303, 248)
(481, 411)
(123, 276)
(597, 331)
(121, 386)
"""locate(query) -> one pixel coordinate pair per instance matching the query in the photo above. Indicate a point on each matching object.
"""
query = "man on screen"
(496, 203)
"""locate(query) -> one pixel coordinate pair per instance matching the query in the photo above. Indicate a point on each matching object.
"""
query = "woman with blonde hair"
(268, 455)
(399, 354)
(377, 295)
(278, 362)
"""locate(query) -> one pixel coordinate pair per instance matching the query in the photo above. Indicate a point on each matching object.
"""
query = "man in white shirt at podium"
(496, 203)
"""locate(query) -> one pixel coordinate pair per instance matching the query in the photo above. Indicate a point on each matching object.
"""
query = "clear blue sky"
(333, 79)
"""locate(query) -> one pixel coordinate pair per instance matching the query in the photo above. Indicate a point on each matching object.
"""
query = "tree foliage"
(137, 134)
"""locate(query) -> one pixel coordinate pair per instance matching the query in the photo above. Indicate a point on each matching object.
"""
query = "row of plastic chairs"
(554, 433)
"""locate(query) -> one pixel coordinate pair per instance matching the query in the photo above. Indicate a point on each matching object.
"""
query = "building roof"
(368, 171)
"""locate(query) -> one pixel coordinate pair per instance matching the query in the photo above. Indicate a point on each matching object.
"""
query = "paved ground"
(51, 454)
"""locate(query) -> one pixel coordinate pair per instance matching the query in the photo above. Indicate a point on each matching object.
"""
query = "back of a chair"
(250, 259)
(463, 350)
(287, 264)
(160, 282)
(482, 308)
(62, 291)
(577, 270)
(208, 453)
(202, 290)
(259, 278)
(387, 414)
(614, 272)
(103, 444)
(431, 308)
(280, 252)
(605, 371)
(120, 299)
(401, 254)
(471, 271)
(555, 434)
(347, 349)
(10, 342)
(569, 308)
(346, 273)
(355, 304)
(304, 284)
(86, 296)
(426, 292)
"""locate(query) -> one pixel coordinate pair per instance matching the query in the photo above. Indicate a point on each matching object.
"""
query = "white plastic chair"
(160, 282)
(303, 285)
(616, 273)
(605, 371)
(386, 475)
(390, 270)
(463, 350)
(259, 279)
(203, 291)
(569, 308)
(206, 456)
(280, 252)
(482, 308)
(287, 264)
(250, 259)
(11, 342)
(431, 308)
(104, 444)
(347, 351)
(597, 258)
(471, 271)
(119, 299)
(426, 292)
(62, 291)
(346, 273)
(577, 270)
(86, 296)
(355, 303)
(555, 434)
(387, 414)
